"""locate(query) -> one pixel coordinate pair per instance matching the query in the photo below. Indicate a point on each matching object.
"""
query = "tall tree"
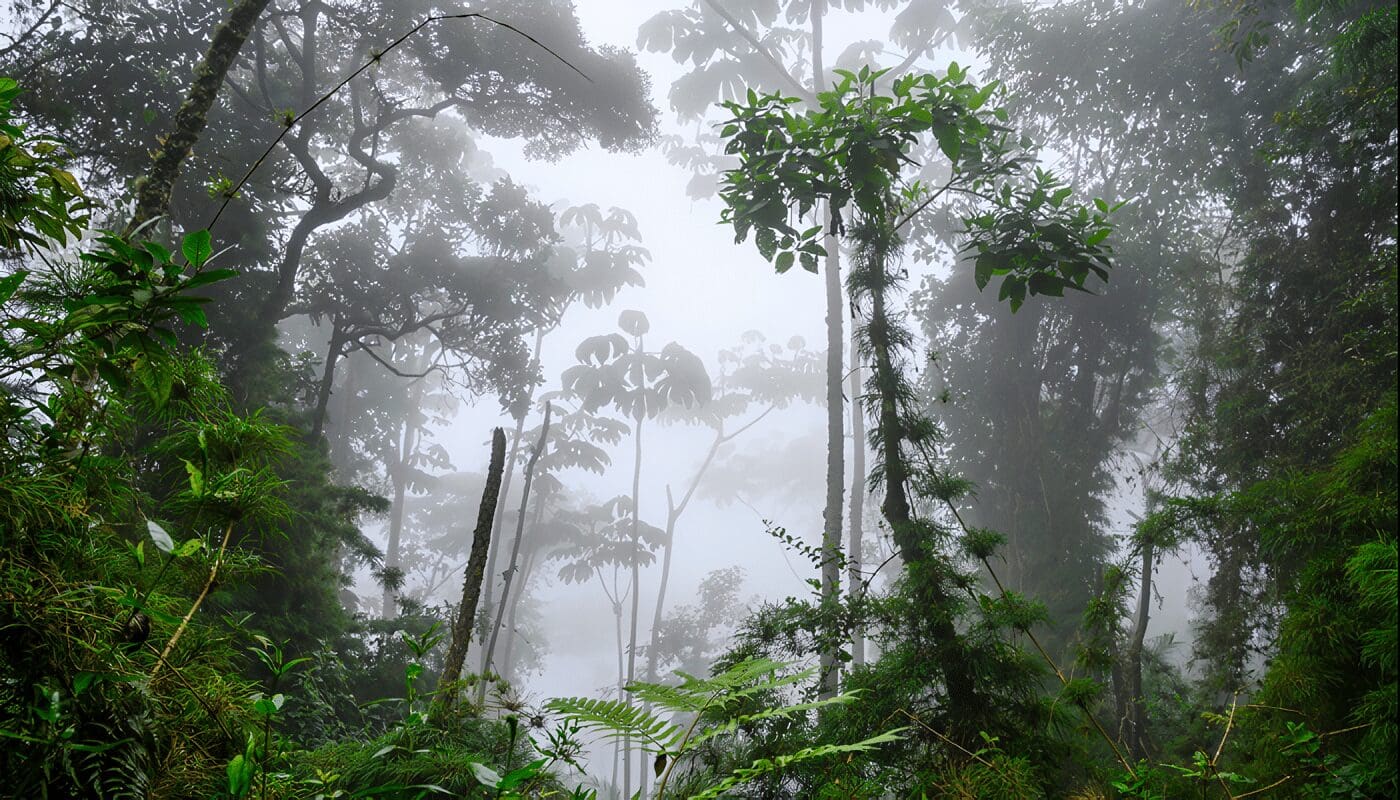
(606, 257)
(850, 153)
(153, 189)
(751, 376)
(782, 45)
(361, 146)
(617, 371)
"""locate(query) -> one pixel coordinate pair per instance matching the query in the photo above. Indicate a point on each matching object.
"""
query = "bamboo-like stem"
(189, 615)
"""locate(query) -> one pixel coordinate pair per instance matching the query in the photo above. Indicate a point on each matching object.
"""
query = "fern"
(617, 719)
(698, 697)
(764, 766)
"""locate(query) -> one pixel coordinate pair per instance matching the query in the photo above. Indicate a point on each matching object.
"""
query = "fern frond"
(616, 719)
(764, 766)
(769, 683)
(732, 725)
(671, 698)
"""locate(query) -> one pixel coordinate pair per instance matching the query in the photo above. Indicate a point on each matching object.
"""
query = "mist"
(698, 398)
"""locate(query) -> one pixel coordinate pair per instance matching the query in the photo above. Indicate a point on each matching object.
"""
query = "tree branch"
(763, 51)
(373, 59)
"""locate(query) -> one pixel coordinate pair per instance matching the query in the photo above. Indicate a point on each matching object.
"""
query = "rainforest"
(665, 399)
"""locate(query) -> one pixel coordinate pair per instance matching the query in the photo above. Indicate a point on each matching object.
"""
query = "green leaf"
(197, 247)
(196, 478)
(188, 547)
(1097, 236)
(783, 262)
(949, 140)
(210, 276)
(980, 99)
(1041, 283)
(983, 271)
(518, 776)
(240, 776)
(10, 283)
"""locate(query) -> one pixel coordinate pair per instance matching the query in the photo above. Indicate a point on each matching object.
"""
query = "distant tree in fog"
(617, 371)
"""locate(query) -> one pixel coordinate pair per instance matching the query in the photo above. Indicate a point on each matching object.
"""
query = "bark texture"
(154, 189)
(476, 571)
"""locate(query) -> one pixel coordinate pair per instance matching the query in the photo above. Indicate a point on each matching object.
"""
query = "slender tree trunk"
(515, 547)
(471, 581)
(934, 600)
(835, 463)
(855, 544)
(636, 577)
(507, 667)
(323, 392)
(828, 676)
(400, 487)
(154, 189)
(1137, 707)
(619, 745)
(501, 509)
(339, 421)
(526, 570)
(673, 515)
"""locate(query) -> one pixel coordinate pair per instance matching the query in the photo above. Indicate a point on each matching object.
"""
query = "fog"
(1016, 377)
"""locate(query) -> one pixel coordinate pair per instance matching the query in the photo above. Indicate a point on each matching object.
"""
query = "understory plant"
(678, 721)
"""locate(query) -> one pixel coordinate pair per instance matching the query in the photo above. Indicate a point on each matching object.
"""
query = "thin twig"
(1253, 792)
(189, 615)
(375, 59)
(1220, 748)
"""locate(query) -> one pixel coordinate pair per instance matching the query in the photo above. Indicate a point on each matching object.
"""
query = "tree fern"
(698, 698)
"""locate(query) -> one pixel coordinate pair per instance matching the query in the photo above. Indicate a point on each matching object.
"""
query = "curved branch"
(761, 49)
(373, 59)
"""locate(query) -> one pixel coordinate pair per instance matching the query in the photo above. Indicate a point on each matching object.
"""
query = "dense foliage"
(231, 529)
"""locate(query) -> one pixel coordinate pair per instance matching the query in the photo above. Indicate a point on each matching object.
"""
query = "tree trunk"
(476, 570)
(407, 444)
(323, 392)
(515, 547)
(673, 515)
(636, 581)
(1137, 705)
(505, 492)
(930, 593)
(828, 677)
(855, 544)
(526, 569)
(619, 744)
(154, 189)
(835, 463)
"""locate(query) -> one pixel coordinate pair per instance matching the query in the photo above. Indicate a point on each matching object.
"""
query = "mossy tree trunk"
(476, 570)
(153, 190)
